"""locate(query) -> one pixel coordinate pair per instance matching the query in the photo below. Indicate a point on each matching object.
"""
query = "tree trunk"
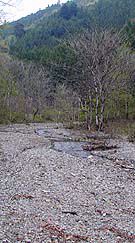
(126, 109)
(90, 115)
(97, 112)
(102, 114)
(35, 113)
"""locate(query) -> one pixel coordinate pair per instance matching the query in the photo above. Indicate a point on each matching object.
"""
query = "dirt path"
(48, 196)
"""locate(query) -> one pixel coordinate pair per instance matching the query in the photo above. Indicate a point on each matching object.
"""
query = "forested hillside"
(70, 62)
(34, 36)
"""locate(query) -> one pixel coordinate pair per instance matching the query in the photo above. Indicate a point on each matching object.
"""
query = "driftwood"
(60, 233)
(22, 196)
(98, 145)
(70, 212)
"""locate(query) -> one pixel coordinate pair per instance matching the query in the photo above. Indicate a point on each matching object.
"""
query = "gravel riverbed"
(51, 196)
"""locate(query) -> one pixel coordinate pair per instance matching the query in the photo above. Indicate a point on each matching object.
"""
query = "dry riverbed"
(51, 193)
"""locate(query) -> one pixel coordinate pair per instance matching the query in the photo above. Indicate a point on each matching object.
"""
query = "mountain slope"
(38, 16)
(85, 2)
(47, 29)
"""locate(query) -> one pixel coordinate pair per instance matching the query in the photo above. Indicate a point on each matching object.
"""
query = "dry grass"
(121, 128)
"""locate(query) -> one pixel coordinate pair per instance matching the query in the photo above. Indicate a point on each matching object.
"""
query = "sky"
(23, 8)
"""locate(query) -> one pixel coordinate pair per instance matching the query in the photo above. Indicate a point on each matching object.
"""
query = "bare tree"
(5, 5)
(7, 84)
(66, 104)
(33, 82)
(100, 68)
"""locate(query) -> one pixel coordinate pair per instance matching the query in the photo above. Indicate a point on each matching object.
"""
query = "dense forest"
(72, 62)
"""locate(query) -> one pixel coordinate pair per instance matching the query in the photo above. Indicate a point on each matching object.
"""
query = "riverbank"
(53, 196)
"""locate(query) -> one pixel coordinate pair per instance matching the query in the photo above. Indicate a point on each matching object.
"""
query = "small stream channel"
(72, 142)
(72, 148)
(63, 142)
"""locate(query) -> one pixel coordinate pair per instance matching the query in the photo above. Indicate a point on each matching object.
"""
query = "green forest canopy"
(35, 36)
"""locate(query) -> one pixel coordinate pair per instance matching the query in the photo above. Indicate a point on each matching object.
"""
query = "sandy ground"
(49, 196)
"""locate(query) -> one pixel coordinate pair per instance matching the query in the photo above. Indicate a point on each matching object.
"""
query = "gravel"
(50, 196)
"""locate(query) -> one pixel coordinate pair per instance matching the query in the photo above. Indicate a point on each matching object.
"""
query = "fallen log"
(98, 146)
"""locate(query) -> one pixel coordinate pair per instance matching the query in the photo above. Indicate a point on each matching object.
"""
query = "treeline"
(71, 68)
(97, 86)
